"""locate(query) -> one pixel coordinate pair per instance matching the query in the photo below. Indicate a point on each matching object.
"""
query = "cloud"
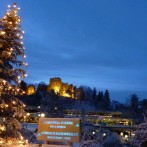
(100, 44)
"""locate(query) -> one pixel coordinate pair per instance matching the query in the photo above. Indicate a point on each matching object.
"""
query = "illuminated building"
(60, 88)
(30, 89)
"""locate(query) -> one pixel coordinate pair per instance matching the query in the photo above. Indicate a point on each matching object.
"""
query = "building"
(30, 89)
(60, 88)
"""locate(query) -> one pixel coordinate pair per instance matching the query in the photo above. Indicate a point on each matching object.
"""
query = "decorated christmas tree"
(12, 70)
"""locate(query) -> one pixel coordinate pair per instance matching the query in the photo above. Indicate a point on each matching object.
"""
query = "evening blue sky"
(97, 43)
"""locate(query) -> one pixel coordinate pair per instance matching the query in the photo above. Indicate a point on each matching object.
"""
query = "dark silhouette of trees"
(115, 105)
(42, 87)
(106, 100)
(134, 102)
(94, 93)
(88, 93)
(143, 105)
(99, 100)
(23, 85)
(81, 94)
(103, 100)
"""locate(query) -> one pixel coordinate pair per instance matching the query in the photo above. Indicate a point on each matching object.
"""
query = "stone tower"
(60, 88)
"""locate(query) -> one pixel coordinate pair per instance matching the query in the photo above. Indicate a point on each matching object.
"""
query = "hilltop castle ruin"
(60, 88)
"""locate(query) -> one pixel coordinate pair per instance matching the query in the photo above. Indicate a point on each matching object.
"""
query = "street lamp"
(93, 133)
(126, 136)
(42, 115)
(121, 134)
(28, 114)
(104, 134)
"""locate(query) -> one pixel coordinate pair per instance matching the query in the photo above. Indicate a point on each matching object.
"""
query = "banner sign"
(59, 129)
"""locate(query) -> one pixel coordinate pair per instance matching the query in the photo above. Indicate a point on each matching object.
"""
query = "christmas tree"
(12, 70)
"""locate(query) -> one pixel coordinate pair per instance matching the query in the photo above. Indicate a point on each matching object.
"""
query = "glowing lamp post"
(104, 134)
(42, 115)
(126, 137)
(121, 134)
(28, 114)
(93, 133)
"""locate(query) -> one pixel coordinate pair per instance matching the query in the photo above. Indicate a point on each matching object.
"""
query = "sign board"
(59, 129)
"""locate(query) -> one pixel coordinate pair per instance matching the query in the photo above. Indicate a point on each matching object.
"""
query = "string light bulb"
(3, 32)
(25, 75)
(4, 81)
(6, 105)
(14, 102)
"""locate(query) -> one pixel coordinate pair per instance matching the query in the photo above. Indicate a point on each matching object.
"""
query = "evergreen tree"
(12, 70)
(88, 93)
(134, 102)
(81, 94)
(143, 105)
(75, 94)
(106, 100)
(100, 96)
(99, 100)
(94, 95)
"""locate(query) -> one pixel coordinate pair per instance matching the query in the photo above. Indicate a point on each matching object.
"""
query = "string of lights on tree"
(12, 69)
